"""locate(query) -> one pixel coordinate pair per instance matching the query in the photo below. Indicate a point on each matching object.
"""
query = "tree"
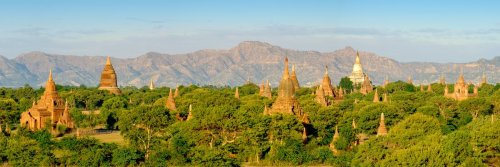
(476, 107)
(346, 84)
(144, 125)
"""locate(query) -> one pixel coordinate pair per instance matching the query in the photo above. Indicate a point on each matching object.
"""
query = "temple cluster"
(51, 111)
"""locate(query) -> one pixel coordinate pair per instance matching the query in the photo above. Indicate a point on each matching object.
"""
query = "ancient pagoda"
(366, 87)
(286, 103)
(109, 79)
(176, 93)
(320, 96)
(237, 94)
(50, 110)
(336, 136)
(170, 103)
(357, 76)
(382, 131)
(266, 92)
(376, 98)
(151, 85)
(329, 90)
(461, 90)
(293, 76)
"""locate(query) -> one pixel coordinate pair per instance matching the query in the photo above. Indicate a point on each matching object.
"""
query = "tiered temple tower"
(320, 96)
(266, 91)
(327, 86)
(366, 87)
(286, 103)
(335, 138)
(461, 91)
(109, 79)
(382, 131)
(170, 103)
(357, 76)
(50, 108)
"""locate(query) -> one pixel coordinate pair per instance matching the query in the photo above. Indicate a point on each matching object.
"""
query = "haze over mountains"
(257, 61)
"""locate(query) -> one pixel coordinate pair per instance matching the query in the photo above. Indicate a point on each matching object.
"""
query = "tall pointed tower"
(376, 98)
(320, 96)
(286, 103)
(237, 94)
(170, 104)
(109, 79)
(366, 87)
(327, 84)
(357, 76)
(336, 136)
(294, 79)
(267, 90)
(151, 85)
(176, 93)
(382, 131)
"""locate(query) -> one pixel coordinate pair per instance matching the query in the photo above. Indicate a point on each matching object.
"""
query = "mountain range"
(253, 60)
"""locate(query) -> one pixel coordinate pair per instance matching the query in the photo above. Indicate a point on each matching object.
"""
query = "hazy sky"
(439, 31)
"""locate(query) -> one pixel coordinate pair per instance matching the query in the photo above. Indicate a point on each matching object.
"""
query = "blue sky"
(437, 31)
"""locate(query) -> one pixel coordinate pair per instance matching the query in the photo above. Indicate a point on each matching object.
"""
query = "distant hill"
(258, 61)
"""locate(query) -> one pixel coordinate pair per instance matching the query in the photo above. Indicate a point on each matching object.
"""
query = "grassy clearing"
(113, 137)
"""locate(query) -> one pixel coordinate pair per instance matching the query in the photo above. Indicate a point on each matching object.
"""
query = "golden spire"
(326, 70)
(382, 131)
(190, 114)
(151, 84)
(335, 138)
(108, 61)
(170, 101)
(304, 136)
(286, 73)
(353, 124)
(357, 58)
(429, 88)
(176, 93)
(237, 94)
(50, 75)
(385, 98)
(170, 93)
(376, 99)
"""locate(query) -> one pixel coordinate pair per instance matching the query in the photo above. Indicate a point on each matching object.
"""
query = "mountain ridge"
(256, 60)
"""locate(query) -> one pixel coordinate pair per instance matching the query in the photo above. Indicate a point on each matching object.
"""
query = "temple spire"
(294, 78)
(237, 94)
(190, 114)
(376, 98)
(108, 61)
(286, 74)
(382, 131)
(357, 58)
(50, 75)
(151, 85)
(336, 136)
(170, 101)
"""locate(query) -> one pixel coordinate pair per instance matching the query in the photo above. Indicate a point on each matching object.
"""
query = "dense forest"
(424, 128)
